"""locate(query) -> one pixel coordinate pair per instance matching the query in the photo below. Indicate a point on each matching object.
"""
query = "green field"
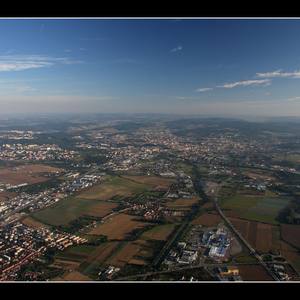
(294, 158)
(240, 202)
(266, 210)
(92, 202)
(114, 186)
(160, 232)
(69, 209)
(76, 253)
(188, 169)
(263, 208)
(244, 258)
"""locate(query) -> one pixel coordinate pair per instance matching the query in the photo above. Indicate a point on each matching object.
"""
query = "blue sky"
(218, 67)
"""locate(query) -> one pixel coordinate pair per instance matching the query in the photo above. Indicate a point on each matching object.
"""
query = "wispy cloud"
(263, 82)
(201, 90)
(25, 62)
(15, 87)
(178, 48)
(279, 73)
(297, 98)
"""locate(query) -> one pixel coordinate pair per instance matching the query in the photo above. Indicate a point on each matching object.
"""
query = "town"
(188, 200)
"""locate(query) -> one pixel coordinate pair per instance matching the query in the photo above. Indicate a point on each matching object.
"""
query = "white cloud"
(264, 82)
(24, 62)
(297, 98)
(178, 48)
(279, 73)
(203, 89)
(186, 98)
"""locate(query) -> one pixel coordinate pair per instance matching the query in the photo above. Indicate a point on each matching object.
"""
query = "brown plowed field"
(6, 196)
(291, 234)
(30, 222)
(117, 227)
(123, 256)
(207, 219)
(259, 235)
(74, 276)
(180, 203)
(154, 181)
(26, 174)
(254, 273)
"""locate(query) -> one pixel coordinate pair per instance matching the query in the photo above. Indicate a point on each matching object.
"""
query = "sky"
(206, 67)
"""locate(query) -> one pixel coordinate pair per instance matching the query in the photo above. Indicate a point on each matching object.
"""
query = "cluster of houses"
(35, 152)
(20, 244)
(17, 134)
(34, 201)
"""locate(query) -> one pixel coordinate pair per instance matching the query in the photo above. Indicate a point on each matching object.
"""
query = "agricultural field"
(118, 227)
(258, 174)
(291, 254)
(263, 237)
(84, 259)
(99, 257)
(159, 232)
(6, 196)
(76, 253)
(67, 265)
(28, 173)
(123, 256)
(293, 158)
(207, 219)
(267, 210)
(153, 181)
(69, 209)
(254, 273)
(290, 234)
(114, 186)
(133, 253)
(73, 276)
(186, 168)
(261, 207)
(184, 204)
(266, 237)
(30, 222)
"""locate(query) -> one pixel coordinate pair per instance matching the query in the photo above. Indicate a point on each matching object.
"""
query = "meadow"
(262, 207)
(71, 208)
(114, 186)
(27, 173)
(118, 227)
(159, 232)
